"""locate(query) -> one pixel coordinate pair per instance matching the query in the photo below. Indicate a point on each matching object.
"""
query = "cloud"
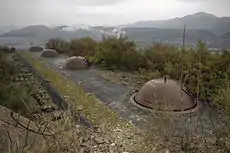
(110, 12)
(5, 3)
(93, 2)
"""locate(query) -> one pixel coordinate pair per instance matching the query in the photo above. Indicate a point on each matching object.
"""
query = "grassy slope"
(92, 108)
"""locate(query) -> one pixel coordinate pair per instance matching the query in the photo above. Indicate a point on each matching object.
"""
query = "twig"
(46, 126)
(17, 121)
(27, 132)
(8, 134)
(39, 129)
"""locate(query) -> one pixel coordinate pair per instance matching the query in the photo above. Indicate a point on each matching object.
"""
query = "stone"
(47, 109)
(57, 115)
(79, 108)
(99, 140)
(77, 126)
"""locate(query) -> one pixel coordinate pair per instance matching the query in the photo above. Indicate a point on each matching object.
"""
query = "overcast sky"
(103, 12)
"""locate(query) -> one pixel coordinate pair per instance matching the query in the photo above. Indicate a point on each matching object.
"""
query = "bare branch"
(17, 121)
(8, 134)
(27, 132)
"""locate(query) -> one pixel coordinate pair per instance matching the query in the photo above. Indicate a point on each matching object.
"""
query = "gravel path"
(116, 97)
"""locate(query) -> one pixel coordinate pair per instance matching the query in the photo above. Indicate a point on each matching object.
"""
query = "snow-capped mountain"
(118, 32)
(76, 27)
(113, 31)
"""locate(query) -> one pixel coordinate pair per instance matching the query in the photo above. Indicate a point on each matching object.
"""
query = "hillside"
(199, 20)
(200, 26)
(226, 35)
(145, 36)
(43, 33)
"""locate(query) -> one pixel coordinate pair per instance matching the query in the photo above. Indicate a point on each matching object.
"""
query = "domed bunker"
(76, 63)
(36, 49)
(161, 95)
(49, 53)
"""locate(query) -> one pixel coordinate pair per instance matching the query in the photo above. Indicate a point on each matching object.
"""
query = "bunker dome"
(49, 53)
(36, 49)
(164, 95)
(75, 63)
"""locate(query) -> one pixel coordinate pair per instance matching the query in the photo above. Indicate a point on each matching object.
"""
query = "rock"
(79, 108)
(99, 140)
(57, 115)
(111, 151)
(90, 94)
(47, 109)
(77, 126)
(167, 151)
(125, 83)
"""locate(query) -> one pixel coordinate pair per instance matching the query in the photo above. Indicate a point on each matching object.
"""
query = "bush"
(221, 99)
(85, 47)
(4, 49)
(158, 55)
(11, 95)
(119, 53)
(61, 46)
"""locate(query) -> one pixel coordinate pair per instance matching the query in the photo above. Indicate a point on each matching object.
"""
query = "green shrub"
(118, 54)
(221, 99)
(4, 49)
(61, 46)
(83, 47)
(158, 54)
(11, 95)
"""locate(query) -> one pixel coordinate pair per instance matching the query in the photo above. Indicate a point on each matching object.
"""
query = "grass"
(91, 107)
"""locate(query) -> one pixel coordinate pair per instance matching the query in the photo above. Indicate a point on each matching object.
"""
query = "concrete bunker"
(76, 63)
(164, 95)
(36, 49)
(49, 53)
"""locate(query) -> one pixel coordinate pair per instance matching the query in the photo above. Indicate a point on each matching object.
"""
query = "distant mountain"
(31, 31)
(143, 36)
(146, 36)
(42, 32)
(226, 36)
(39, 34)
(201, 21)
(4, 29)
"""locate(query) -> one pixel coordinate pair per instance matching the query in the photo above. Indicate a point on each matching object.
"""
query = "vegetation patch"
(201, 71)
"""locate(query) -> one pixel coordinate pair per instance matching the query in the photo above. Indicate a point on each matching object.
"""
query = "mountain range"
(213, 30)
(201, 21)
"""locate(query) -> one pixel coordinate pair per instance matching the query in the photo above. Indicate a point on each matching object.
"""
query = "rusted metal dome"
(75, 63)
(164, 95)
(49, 53)
(36, 49)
